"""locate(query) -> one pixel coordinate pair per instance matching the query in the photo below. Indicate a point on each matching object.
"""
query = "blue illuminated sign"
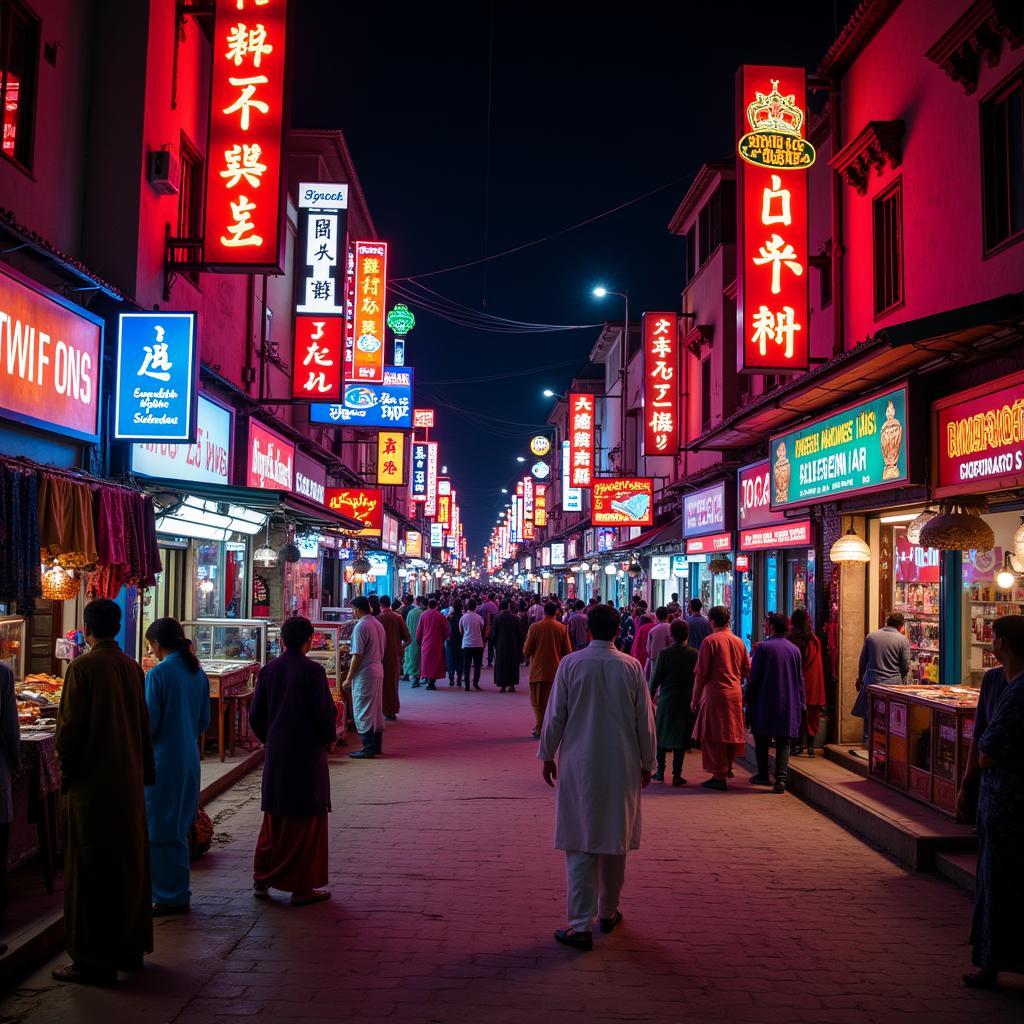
(371, 405)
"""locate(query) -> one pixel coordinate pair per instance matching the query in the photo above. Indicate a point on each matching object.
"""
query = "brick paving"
(743, 906)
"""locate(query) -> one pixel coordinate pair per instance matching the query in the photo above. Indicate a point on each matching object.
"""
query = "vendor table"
(919, 738)
(37, 789)
(227, 679)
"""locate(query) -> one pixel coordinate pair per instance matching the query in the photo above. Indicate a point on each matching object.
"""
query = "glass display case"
(327, 649)
(12, 645)
(228, 639)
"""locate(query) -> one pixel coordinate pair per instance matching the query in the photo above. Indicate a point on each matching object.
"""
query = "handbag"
(200, 835)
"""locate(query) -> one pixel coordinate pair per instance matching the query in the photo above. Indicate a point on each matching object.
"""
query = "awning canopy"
(658, 536)
(930, 343)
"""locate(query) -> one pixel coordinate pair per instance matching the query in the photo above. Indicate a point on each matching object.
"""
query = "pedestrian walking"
(624, 641)
(579, 634)
(453, 645)
(646, 623)
(884, 660)
(775, 700)
(396, 639)
(10, 763)
(508, 649)
(365, 679)
(178, 700)
(993, 683)
(674, 608)
(658, 638)
(801, 633)
(472, 626)
(600, 724)
(294, 715)
(432, 631)
(698, 623)
(412, 650)
(536, 609)
(105, 751)
(722, 665)
(547, 643)
(524, 628)
(996, 937)
(488, 610)
(672, 685)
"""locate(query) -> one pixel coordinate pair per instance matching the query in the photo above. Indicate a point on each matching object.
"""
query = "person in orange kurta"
(547, 643)
(722, 665)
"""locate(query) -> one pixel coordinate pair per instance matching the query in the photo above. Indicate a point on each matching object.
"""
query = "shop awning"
(930, 343)
(658, 536)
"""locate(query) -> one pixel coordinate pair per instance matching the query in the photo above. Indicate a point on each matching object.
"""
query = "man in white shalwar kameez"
(600, 721)
(366, 679)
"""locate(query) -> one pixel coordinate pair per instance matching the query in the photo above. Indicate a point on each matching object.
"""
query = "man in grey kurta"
(884, 660)
(600, 721)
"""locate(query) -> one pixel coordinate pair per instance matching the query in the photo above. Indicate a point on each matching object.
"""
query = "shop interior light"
(211, 520)
(610, 569)
(903, 517)
(918, 524)
(584, 567)
(850, 548)
(1012, 570)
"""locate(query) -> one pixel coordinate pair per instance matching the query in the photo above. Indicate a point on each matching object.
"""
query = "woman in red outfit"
(802, 635)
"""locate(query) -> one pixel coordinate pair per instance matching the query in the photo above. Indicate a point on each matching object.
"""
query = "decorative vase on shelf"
(891, 440)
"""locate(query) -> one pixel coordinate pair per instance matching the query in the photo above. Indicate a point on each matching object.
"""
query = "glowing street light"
(520, 458)
(504, 490)
(600, 291)
(548, 393)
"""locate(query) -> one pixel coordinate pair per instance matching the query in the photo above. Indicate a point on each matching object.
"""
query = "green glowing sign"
(401, 320)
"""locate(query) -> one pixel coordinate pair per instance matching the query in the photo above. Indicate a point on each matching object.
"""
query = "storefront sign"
(270, 459)
(310, 478)
(389, 536)
(243, 166)
(581, 439)
(436, 535)
(155, 393)
(423, 419)
(661, 383)
(363, 503)
(208, 460)
(390, 457)
(572, 549)
(772, 304)
(712, 544)
(572, 497)
(430, 504)
(753, 496)
(541, 470)
(679, 567)
(413, 544)
(606, 539)
(371, 282)
(317, 357)
(371, 405)
(623, 501)
(540, 445)
(50, 359)
(557, 554)
(444, 510)
(915, 564)
(743, 563)
(444, 485)
(661, 567)
(321, 244)
(540, 504)
(418, 486)
(797, 534)
(862, 447)
(978, 438)
(704, 511)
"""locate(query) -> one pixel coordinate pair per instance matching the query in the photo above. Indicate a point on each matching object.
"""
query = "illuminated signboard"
(862, 447)
(430, 505)
(714, 543)
(436, 535)
(772, 306)
(413, 544)
(661, 567)
(572, 497)
(390, 457)
(242, 228)
(540, 504)
(270, 459)
(208, 460)
(50, 360)
(371, 282)
(371, 405)
(581, 439)
(418, 486)
(423, 418)
(661, 383)
(623, 501)
(444, 509)
(365, 504)
(310, 478)
(978, 438)
(705, 511)
(795, 534)
(316, 362)
(753, 496)
(540, 446)
(557, 554)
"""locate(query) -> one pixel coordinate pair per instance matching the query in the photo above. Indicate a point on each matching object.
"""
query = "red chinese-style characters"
(316, 370)
(369, 298)
(243, 166)
(581, 439)
(540, 504)
(423, 418)
(365, 504)
(772, 305)
(661, 383)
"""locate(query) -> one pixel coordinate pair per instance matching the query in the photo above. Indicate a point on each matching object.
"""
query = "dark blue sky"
(585, 113)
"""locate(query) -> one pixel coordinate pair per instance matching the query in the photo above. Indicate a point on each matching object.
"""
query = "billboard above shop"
(706, 511)
(622, 501)
(206, 461)
(365, 504)
(371, 405)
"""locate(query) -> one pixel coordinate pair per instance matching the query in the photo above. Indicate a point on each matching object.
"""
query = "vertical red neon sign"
(369, 299)
(772, 307)
(581, 439)
(661, 383)
(242, 227)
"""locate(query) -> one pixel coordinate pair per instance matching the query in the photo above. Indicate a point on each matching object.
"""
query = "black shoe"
(535, 734)
(659, 775)
(582, 941)
(609, 924)
(502, 689)
(678, 780)
(363, 754)
(431, 686)
(718, 784)
(810, 752)
(416, 685)
(760, 780)
(391, 718)
(476, 686)
(136, 966)
(451, 682)
(165, 910)
(797, 750)
(779, 787)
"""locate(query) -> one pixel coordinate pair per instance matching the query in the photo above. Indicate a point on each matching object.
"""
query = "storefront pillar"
(951, 631)
(853, 584)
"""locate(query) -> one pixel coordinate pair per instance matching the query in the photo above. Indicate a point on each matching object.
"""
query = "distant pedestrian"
(674, 608)
(600, 723)
(472, 626)
(672, 685)
(293, 713)
(396, 639)
(412, 651)
(524, 627)
(431, 632)
(579, 635)
(365, 679)
(775, 700)
(884, 660)
(647, 622)
(698, 623)
(406, 606)
(624, 641)
(507, 648)
(547, 643)
(801, 633)
(488, 610)
(536, 610)
(722, 665)
(178, 698)
(453, 645)
(659, 637)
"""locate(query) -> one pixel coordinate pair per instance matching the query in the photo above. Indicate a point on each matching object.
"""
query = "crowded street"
(445, 889)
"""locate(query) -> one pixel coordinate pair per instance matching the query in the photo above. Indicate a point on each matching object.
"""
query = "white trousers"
(594, 882)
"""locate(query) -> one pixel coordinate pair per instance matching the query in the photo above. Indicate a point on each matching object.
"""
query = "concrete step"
(909, 831)
(960, 868)
(845, 756)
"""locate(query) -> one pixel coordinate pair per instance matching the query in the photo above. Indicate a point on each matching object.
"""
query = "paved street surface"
(744, 906)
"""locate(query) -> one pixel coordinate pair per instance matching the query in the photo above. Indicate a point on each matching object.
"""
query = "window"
(825, 278)
(19, 63)
(690, 255)
(887, 220)
(705, 393)
(190, 203)
(716, 222)
(1002, 157)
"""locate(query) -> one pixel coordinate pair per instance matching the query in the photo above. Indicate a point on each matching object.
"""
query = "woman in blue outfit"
(178, 696)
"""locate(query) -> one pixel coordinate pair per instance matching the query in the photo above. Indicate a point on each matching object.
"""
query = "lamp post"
(600, 292)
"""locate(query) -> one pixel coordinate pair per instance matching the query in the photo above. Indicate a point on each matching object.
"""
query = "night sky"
(476, 135)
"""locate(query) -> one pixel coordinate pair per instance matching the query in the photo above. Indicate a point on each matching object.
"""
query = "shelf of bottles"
(985, 603)
(919, 603)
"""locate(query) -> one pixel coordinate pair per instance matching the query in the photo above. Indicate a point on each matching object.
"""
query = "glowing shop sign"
(390, 457)
(581, 440)
(371, 283)
(660, 332)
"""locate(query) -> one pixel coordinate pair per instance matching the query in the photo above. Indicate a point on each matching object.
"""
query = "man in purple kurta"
(775, 700)
(431, 632)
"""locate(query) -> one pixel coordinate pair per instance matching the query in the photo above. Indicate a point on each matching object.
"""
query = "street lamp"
(600, 292)
(504, 490)
(520, 458)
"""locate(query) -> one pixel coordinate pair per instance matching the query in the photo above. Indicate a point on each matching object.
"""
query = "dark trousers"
(455, 664)
(490, 651)
(761, 746)
(5, 839)
(472, 658)
(677, 761)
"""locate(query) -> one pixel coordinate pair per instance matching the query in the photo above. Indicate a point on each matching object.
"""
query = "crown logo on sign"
(773, 112)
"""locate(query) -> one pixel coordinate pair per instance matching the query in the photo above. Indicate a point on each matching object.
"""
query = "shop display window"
(916, 595)
(228, 639)
(12, 645)
(219, 571)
